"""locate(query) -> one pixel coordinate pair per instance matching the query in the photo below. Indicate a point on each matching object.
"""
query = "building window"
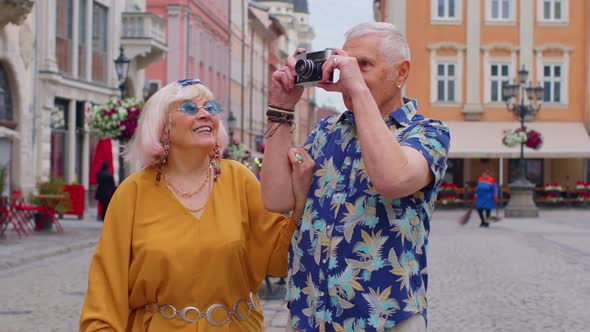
(550, 11)
(500, 10)
(499, 76)
(82, 41)
(63, 36)
(6, 114)
(99, 42)
(553, 83)
(446, 10)
(446, 82)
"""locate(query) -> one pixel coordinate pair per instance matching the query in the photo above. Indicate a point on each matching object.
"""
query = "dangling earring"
(215, 160)
(164, 158)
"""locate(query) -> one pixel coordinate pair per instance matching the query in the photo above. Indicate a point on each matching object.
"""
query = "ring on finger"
(299, 158)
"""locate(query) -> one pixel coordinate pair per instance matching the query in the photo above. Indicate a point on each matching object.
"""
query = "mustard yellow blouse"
(152, 250)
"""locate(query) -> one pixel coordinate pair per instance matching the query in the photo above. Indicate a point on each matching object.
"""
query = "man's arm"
(277, 188)
(396, 170)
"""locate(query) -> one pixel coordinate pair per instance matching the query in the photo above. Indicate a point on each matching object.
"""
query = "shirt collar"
(401, 116)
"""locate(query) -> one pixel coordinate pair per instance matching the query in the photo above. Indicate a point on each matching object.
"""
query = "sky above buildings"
(330, 19)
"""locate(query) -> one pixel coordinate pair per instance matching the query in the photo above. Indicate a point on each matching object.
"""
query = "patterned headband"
(186, 82)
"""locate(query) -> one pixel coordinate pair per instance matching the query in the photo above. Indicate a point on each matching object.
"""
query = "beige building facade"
(294, 17)
(464, 52)
(56, 62)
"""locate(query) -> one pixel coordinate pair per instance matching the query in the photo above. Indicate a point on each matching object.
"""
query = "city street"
(518, 275)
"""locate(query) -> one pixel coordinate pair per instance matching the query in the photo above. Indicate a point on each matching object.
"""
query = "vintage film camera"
(309, 68)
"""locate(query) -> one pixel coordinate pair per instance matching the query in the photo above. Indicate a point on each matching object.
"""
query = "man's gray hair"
(394, 43)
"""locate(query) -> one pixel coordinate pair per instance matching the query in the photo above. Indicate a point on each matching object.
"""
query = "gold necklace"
(200, 208)
(187, 193)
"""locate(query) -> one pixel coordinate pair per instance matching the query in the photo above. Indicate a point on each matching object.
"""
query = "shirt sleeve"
(432, 139)
(106, 306)
(270, 234)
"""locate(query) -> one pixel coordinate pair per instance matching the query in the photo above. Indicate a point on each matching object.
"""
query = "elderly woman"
(186, 241)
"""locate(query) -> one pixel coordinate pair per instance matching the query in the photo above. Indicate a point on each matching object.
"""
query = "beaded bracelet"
(279, 114)
(278, 108)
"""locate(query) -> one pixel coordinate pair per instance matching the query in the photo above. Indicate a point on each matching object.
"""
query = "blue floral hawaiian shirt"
(357, 262)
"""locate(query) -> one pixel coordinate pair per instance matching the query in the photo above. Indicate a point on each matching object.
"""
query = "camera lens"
(304, 68)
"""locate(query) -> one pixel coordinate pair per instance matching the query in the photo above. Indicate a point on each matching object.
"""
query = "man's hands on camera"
(351, 79)
(283, 92)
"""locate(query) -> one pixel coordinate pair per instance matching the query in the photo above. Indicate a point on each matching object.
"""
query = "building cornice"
(554, 47)
(500, 47)
(446, 45)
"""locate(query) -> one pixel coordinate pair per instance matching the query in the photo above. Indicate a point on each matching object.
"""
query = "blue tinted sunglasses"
(190, 108)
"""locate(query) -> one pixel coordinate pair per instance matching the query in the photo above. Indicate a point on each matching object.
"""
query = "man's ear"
(403, 72)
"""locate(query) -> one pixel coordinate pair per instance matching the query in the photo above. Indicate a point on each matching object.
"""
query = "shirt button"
(324, 261)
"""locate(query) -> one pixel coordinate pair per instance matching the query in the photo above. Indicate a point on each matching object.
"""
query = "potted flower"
(514, 137)
(46, 199)
(553, 198)
(529, 137)
(117, 119)
(448, 194)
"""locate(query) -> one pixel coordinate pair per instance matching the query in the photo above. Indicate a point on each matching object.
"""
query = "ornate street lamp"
(122, 69)
(523, 100)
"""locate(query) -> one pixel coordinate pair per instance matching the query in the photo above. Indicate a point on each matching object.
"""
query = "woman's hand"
(303, 167)
(282, 90)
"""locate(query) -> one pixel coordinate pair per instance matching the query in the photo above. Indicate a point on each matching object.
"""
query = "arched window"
(5, 98)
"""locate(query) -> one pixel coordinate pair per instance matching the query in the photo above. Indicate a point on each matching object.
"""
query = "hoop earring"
(164, 159)
(215, 160)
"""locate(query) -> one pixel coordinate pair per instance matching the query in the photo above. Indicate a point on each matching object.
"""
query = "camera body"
(309, 68)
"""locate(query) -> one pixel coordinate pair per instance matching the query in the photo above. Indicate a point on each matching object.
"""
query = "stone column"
(473, 107)
(71, 142)
(75, 37)
(527, 21)
(48, 16)
(173, 56)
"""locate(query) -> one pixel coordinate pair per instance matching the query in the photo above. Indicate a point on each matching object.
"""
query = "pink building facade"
(198, 34)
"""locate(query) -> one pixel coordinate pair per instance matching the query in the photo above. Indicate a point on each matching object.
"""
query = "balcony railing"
(143, 36)
(142, 25)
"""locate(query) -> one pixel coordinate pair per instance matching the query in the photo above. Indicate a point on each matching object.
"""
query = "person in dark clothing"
(106, 187)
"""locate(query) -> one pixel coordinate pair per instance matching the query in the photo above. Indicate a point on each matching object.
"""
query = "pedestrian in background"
(105, 189)
(358, 258)
(486, 197)
(187, 242)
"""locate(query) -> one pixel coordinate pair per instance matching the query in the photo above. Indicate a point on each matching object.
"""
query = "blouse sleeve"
(270, 234)
(106, 306)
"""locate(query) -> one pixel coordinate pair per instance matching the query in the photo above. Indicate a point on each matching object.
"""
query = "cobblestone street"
(519, 275)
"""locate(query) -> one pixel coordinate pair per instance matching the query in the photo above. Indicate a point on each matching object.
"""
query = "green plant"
(53, 186)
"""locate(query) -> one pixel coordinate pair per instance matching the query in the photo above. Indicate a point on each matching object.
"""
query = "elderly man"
(358, 258)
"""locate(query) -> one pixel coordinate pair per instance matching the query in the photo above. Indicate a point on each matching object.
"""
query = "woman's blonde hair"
(145, 147)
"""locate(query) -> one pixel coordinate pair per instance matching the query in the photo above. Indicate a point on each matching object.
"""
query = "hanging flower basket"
(117, 119)
(530, 137)
(534, 139)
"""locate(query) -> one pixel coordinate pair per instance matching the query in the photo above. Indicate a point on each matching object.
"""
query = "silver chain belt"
(192, 314)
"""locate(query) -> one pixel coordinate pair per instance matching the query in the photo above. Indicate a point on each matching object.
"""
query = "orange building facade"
(464, 52)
